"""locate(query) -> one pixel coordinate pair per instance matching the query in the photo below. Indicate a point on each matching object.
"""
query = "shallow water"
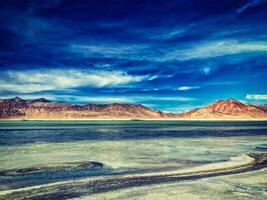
(128, 147)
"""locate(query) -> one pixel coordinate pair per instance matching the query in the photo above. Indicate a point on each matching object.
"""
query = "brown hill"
(227, 109)
(17, 108)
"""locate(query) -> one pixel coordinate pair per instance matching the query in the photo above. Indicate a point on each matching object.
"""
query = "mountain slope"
(227, 109)
(17, 108)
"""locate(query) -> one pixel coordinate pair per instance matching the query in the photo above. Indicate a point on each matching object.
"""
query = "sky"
(170, 55)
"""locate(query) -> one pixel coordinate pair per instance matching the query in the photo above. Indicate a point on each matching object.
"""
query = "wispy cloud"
(257, 96)
(95, 99)
(179, 109)
(175, 98)
(206, 70)
(185, 88)
(113, 50)
(220, 83)
(215, 49)
(252, 3)
(164, 34)
(42, 80)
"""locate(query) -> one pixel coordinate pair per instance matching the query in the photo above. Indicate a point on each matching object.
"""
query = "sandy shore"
(87, 186)
(123, 119)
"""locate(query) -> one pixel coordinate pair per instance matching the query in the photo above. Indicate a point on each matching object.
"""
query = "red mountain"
(17, 108)
(228, 109)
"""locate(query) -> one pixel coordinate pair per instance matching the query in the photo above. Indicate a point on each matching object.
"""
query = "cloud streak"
(113, 50)
(252, 3)
(256, 96)
(219, 48)
(185, 88)
(43, 80)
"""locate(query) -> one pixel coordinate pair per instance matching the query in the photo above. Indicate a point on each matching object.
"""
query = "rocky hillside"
(17, 108)
(227, 109)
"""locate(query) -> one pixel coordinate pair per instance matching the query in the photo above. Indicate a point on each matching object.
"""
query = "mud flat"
(88, 186)
(66, 166)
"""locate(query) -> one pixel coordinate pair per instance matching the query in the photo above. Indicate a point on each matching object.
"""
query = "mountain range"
(17, 108)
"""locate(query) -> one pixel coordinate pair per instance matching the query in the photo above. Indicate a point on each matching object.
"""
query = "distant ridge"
(227, 109)
(41, 108)
(17, 108)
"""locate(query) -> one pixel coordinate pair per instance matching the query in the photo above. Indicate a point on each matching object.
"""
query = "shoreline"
(134, 120)
(88, 186)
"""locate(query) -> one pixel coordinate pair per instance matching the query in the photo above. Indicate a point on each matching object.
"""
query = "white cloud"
(42, 80)
(257, 96)
(215, 49)
(96, 99)
(177, 98)
(109, 51)
(206, 70)
(185, 88)
(252, 3)
(219, 83)
(179, 109)
(165, 34)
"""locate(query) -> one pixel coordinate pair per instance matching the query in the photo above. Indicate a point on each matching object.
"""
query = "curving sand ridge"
(87, 186)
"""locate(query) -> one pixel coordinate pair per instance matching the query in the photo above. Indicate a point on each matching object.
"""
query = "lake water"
(132, 147)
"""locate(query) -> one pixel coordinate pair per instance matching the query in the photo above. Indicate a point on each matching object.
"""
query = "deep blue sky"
(169, 55)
